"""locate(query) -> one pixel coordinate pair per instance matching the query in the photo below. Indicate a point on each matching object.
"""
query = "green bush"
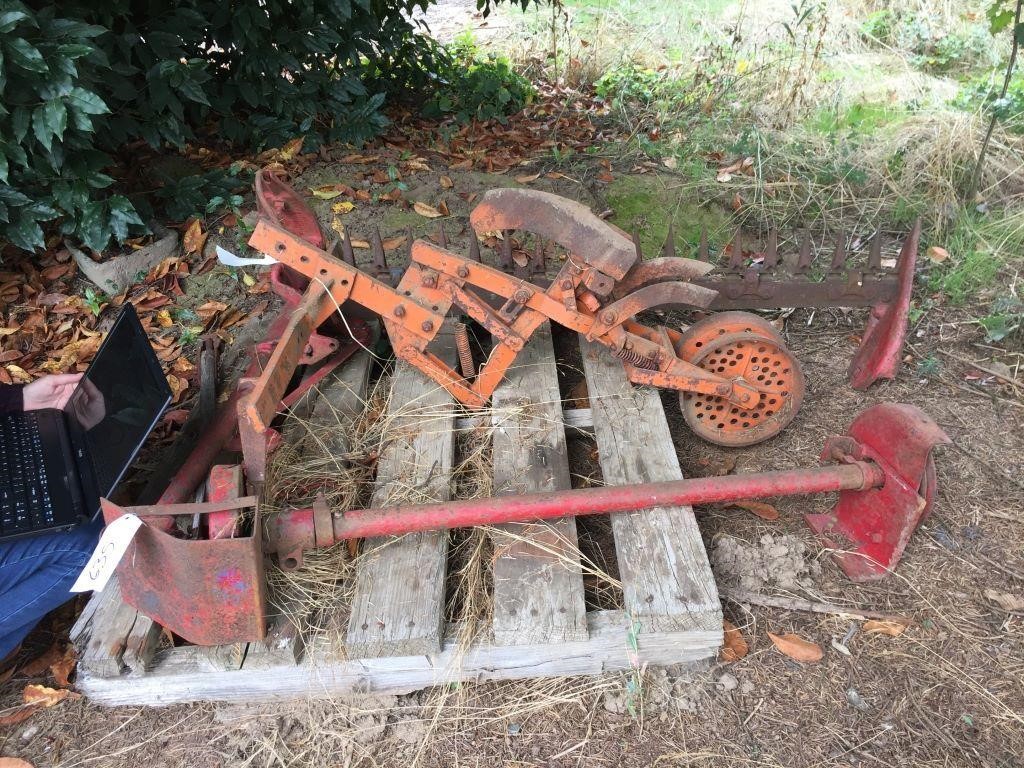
(984, 93)
(931, 47)
(83, 84)
(474, 87)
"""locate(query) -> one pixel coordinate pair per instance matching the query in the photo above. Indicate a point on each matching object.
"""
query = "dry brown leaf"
(937, 254)
(759, 508)
(606, 177)
(527, 178)
(579, 395)
(890, 628)
(1008, 602)
(394, 242)
(797, 648)
(163, 319)
(18, 374)
(446, 182)
(195, 238)
(425, 210)
(290, 150)
(15, 762)
(210, 308)
(46, 697)
(42, 663)
(443, 208)
(19, 716)
(737, 202)
(62, 668)
(734, 646)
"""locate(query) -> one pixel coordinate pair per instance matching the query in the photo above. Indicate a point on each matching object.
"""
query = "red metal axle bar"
(857, 475)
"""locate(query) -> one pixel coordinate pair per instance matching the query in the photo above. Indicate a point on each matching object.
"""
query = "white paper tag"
(228, 259)
(113, 544)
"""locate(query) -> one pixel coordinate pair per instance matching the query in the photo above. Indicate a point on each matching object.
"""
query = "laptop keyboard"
(25, 502)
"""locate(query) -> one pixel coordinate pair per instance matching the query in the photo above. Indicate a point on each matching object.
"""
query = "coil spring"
(634, 358)
(465, 353)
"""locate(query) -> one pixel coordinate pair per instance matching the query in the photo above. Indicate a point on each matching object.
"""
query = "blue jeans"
(36, 573)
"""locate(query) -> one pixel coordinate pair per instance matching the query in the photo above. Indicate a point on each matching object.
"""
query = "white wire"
(344, 320)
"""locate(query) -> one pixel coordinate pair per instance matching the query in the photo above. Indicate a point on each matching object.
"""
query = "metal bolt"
(608, 317)
(723, 389)
(429, 281)
(521, 296)
(567, 285)
(399, 311)
(427, 326)
(462, 271)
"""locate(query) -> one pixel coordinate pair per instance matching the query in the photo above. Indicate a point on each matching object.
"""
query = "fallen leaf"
(446, 182)
(42, 663)
(46, 697)
(737, 202)
(18, 374)
(579, 395)
(345, 206)
(891, 628)
(178, 386)
(605, 176)
(394, 242)
(163, 319)
(670, 162)
(62, 668)
(796, 647)
(443, 208)
(734, 647)
(528, 178)
(1008, 602)
(759, 508)
(326, 192)
(937, 254)
(18, 716)
(557, 175)
(8, 331)
(195, 238)
(210, 308)
(248, 279)
(291, 149)
(428, 211)
(723, 176)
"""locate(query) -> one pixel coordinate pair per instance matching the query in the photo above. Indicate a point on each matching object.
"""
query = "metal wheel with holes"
(762, 362)
(703, 332)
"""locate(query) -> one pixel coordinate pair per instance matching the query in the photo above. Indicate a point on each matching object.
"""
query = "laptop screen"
(115, 406)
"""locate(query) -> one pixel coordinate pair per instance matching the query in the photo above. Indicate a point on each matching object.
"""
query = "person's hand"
(50, 391)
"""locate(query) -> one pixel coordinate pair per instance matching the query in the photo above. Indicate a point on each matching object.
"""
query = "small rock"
(746, 687)
(514, 729)
(728, 682)
(856, 701)
(28, 732)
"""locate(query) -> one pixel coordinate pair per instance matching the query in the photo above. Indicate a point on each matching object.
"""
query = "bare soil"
(949, 691)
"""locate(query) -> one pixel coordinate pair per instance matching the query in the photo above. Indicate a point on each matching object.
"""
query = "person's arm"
(11, 397)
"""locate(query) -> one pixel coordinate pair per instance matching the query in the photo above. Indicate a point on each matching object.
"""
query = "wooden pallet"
(397, 639)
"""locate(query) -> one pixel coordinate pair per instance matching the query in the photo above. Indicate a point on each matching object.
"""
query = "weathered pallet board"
(398, 606)
(671, 613)
(538, 581)
(328, 412)
(178, 678)
(666, 578)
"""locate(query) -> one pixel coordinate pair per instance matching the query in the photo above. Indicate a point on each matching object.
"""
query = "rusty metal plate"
(208, 592)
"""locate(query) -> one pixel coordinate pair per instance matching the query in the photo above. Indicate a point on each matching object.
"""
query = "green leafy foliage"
(84, 84)
(474, 87)
(930, 46)
(986, 93)
(1005, 318)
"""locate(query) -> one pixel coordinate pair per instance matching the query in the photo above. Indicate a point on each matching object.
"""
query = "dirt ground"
(949, 691)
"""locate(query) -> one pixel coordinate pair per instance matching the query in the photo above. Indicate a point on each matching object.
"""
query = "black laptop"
(56, 464)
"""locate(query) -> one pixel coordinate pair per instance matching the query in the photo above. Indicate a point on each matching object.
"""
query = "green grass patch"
(857, 118)
(981, 247)
(649, 203)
